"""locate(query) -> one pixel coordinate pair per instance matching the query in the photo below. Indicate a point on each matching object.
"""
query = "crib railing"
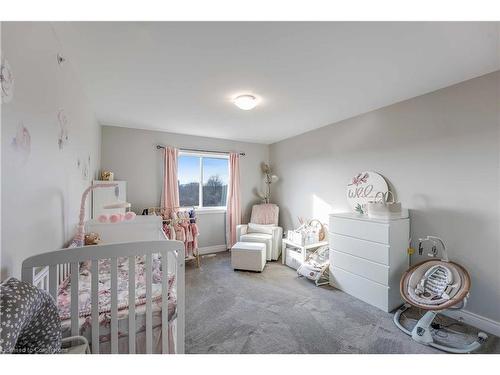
(74, 256)
(41, 275)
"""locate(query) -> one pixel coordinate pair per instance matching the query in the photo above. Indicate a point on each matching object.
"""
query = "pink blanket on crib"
(85, 297)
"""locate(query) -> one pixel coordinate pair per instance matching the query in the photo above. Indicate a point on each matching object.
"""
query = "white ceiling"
(180, 77)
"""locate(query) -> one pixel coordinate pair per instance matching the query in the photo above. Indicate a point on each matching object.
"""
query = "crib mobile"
(79, 239)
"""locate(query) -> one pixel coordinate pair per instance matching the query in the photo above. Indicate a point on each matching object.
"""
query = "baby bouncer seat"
(434, 286)
(316, 266)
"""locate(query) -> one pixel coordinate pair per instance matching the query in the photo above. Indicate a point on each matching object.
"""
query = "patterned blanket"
(85, 278)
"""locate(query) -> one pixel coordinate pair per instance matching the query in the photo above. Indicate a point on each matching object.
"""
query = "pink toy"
(115, 218)
(130, 215)
(102, 218)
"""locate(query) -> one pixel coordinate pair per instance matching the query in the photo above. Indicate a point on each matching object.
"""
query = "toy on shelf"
(92, 238)
(107, 176)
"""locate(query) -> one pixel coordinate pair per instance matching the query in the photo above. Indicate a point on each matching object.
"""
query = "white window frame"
(200, 208)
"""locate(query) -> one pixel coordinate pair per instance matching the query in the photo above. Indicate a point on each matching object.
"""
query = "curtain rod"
(159, 147)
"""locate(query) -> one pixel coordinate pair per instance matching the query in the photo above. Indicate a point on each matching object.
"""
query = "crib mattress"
(85, 304)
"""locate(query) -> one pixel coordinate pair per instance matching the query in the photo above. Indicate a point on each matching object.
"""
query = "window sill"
(210, 210)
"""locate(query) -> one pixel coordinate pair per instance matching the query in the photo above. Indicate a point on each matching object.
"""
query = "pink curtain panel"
(233, 198)
(170, 194)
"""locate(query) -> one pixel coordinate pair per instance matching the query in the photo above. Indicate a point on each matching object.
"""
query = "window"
(189, 180)
(205, 177)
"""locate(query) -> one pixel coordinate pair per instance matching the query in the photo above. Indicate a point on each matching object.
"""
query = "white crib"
(47, 270)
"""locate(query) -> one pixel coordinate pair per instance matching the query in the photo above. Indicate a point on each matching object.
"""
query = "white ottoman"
(249, 256)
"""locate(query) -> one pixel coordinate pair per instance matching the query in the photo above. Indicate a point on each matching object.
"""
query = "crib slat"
(53, 281)
(149, 315)
(62, 273)
(75, 272)
(180, 294)
(164, 303)
(114, 306)
(94, 289)
(131, 305)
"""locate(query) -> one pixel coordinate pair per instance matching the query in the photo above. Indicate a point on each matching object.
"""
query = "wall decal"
(63, 138)
(61, 59)
(85, 170)
(6, 82)
(363, 188)
(21, 143)
(84, 167)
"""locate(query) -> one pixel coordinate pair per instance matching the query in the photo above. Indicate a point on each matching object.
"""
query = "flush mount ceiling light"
(245, 102)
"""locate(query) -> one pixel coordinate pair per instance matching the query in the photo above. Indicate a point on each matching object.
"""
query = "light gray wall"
(41, 194)
(132, 156)
(439, 151)
(212, 229)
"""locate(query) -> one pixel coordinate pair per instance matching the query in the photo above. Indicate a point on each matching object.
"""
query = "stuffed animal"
(107, 176)
(92, 238)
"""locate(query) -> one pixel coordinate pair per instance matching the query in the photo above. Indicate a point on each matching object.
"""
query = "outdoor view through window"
(213, 172)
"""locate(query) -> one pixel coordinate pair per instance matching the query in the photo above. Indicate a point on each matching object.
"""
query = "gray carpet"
(275, 312)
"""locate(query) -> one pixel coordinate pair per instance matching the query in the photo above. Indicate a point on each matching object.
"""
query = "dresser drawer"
(373, 251)
(367, 230)
(368, 291)
(362, 267)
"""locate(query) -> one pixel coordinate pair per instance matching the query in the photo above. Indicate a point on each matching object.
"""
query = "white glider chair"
(263, 228)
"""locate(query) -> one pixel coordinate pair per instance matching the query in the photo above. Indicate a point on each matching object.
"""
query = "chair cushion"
(260, 228)
(259, 237)
(265, 214)
(256, 236)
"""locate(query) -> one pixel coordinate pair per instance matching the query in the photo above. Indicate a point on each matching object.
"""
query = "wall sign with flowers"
(363, 188)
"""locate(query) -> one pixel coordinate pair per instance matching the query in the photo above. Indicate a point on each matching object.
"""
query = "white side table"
(303, 248)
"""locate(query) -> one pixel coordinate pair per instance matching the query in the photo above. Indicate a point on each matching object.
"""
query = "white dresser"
(368, 257)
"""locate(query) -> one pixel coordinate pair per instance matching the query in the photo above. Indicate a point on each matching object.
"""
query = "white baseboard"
(475, 320)
(212, 249)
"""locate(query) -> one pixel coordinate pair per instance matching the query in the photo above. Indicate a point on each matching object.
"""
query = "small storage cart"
(294, 255)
